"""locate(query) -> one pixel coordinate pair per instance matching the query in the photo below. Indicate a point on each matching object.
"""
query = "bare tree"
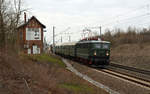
(2, 33)
(10, 12)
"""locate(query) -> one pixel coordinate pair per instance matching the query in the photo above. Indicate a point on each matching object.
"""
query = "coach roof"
(65, 44)
(94, 41)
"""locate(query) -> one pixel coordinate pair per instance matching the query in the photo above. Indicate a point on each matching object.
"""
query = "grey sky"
(78, 14)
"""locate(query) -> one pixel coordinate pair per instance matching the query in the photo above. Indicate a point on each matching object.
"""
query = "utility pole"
(100, 31)
(148, 9)
(69, 38)
(53, 39)
(61, 39)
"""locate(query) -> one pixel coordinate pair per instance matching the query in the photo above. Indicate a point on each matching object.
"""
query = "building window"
(21, 35)
(36, 34)
(33, 34)
(29, 29)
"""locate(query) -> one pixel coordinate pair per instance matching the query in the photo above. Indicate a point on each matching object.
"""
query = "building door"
(38, 50)
(34, 49)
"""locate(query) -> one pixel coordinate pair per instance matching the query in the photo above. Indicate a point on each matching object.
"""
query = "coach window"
(86, 45)
(78, 46)
(83, 45)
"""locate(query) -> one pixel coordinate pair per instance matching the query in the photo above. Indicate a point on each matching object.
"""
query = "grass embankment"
(46, 58)
(134, 55)
(66, 81)
(77, 88)
(45, 74)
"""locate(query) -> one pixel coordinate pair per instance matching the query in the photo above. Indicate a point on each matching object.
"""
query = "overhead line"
(135, 22)
(131, 18)
(62, 32)
(127, 19)
(124, 14)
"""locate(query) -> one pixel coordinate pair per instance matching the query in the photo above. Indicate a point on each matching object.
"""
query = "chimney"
(25, 19)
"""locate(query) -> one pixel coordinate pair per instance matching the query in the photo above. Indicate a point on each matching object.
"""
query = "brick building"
(30, 36)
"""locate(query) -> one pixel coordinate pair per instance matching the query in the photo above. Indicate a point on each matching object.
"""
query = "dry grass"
(45, 74)
(132, 55)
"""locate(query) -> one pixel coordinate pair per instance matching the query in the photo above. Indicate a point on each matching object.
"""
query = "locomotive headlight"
(95, 53)
(107, 53)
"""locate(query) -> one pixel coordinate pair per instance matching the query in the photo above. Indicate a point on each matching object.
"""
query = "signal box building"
(30, 36)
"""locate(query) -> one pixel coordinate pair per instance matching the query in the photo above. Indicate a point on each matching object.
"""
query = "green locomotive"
(93, 52)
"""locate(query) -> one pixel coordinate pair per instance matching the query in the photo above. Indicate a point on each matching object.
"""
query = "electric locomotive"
(93, 52)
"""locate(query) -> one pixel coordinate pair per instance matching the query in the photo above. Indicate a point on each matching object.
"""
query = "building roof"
(33, 17)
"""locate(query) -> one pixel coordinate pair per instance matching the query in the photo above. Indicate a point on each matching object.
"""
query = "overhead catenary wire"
(121, 21)
(63, 32)
(144, 23)
(127, 19)
(136, 22)
(114, 19)
(125, 14)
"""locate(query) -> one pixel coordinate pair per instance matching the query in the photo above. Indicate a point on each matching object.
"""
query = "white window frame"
(36, 33)
(33, 34)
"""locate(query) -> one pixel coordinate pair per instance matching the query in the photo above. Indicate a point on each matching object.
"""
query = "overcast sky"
(78, 14)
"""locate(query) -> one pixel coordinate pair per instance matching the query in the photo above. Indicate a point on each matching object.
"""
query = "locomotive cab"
(100, 53)
(95, 52)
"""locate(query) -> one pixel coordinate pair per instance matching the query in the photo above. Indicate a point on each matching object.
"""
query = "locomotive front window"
(105, 46)
(102, 45)
(97, 45)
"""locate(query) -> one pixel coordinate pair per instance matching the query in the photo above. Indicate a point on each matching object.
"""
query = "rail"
(146, 84)
(131, 68)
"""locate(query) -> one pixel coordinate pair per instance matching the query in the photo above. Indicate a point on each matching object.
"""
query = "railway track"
(146, 72)
(125, 76)
(132, 79)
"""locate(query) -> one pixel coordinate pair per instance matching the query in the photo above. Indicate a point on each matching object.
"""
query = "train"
(90, 51)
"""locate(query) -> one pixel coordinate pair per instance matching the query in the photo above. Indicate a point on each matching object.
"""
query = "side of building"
(30, 36)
